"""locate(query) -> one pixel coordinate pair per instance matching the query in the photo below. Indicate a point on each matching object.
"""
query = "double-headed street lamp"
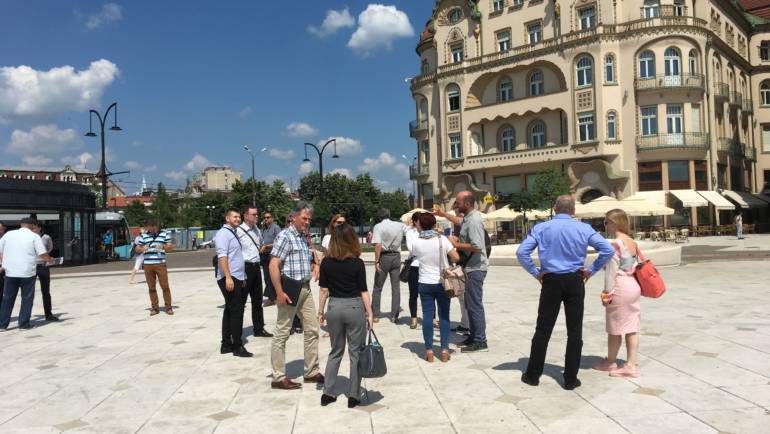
(103, 175)
(321, 160)
(253, 176)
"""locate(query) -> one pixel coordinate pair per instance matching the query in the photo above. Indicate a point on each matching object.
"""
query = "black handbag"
(371, 359)
(404, 274)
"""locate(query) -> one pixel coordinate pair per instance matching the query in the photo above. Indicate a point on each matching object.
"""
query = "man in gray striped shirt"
(155, 244)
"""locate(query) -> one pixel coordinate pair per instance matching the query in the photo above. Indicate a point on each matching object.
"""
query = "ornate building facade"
(623, 96)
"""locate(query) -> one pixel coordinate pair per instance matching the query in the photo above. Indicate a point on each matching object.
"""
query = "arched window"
(455, 15)
(453, 97)
(506, 90)
(647, 64)
(507, 138)
(672, 62)
(609, 68)
(764, 93)
(424, 67)
(536, 85)
(537, 134)
(612, 125)
(693, 61)
(584, 71)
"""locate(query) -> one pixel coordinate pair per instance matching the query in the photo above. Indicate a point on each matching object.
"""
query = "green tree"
(397, 202)
(136, 213)
(273, 197)
(548, 185)
(163, 209)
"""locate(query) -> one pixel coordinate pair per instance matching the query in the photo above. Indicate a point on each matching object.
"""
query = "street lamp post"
(211, 209)
(321, 160)
(103, 175)
(253, 179)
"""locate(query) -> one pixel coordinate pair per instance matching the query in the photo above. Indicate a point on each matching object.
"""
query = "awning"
(657, 197)
(744, 200)
(716, 199)
(763, 197)
(689, 198)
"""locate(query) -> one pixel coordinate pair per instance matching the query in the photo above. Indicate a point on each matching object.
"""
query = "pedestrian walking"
(620, 297)
(139, 260)
(44, 273)
(19, 252)
(154, 244)
(739, 225)
(349, 315)
(231, 275)
(251, 242)
(432, 251)
(562, 244)
(387, 236)
(291, 268)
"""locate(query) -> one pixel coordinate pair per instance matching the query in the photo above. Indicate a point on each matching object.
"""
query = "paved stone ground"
(109, 367)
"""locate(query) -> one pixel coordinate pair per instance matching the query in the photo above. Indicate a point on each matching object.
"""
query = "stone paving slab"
(109, 367)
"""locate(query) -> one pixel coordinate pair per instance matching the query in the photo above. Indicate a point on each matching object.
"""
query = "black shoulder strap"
(250, 237)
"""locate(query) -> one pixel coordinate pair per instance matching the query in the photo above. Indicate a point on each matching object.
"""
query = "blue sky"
(197, 80)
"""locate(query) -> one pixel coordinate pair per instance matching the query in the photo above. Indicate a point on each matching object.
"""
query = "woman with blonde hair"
(620, 297)
(349, 315)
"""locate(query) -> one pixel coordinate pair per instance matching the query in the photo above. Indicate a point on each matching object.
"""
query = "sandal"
(169, 311)
(444, 356)
(154, 311)
(605, 365)
(413, 324)
(625, 371)
(429, 356)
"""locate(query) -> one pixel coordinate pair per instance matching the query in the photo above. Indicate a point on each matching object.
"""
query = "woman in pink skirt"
(620, 297)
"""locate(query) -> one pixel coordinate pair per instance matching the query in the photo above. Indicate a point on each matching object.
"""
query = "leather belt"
(389, 252)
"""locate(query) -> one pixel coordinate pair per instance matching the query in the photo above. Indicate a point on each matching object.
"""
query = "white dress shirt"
(251, 241)
(21, 249)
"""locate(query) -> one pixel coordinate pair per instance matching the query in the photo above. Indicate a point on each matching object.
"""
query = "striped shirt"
(294, 252)
(156, 254)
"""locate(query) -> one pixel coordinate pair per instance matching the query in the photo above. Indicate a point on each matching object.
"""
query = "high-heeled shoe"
(327, 399)
(444, 356)
(429, 356)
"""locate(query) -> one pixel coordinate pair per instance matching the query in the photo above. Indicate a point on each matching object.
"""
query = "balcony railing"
(416, 127)
(729, 146)
(698, 141)
(416, 170)
(721, 91)
(748, 105)
(685, 81)
(736, 99)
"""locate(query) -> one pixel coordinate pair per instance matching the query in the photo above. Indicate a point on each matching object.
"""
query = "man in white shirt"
(387, 236)
(19, 252)
(251, 241)
(3, 229)
(44, 274)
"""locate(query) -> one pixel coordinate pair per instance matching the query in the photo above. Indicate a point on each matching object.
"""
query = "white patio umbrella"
(407, 217)
(503, 214)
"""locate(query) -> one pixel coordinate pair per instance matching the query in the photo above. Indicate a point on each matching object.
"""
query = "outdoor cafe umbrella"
(634, 207)
(407, 217)
(504, 214)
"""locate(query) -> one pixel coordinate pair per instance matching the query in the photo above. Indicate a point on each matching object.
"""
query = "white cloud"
(198, 162)
(37, 160)
(78, 161)
(345, 145)
(26, 92)
(300, 129)
(110, 12)
(270, 179)
(384, 162)
(344, 172)
(282, 154)
(42, 141)
(305, 168)
(245, 112)
(379, 26)
(334, 21)
(176, 175)
(132, 165)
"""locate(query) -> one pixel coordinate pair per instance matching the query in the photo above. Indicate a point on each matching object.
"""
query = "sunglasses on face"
(339, 222)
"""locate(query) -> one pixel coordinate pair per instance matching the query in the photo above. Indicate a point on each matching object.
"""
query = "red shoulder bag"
(648, 277)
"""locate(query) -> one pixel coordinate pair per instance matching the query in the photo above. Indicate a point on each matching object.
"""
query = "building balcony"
(667, 11)
(660, 82)
(748, 106)
(736, 99)
(721, 91)
(416, 128)
(729, 146)
(695, 141)
(518, 157)
(418, 170)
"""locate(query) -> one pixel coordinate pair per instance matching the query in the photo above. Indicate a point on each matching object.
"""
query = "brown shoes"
(169, 311)
(285, 384)
(429, 356)
(317, 378)
(444, 356)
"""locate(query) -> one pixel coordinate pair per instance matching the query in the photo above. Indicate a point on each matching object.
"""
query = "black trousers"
(557, 289)
(44, 274)
(414, 276)
(232, 315)
(2, 288)
(264, 259)
(253, 288)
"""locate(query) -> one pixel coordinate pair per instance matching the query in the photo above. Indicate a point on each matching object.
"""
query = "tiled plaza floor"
(109, 367)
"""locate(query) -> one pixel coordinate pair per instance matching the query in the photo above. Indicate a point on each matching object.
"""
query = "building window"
(506, 90)
(457, 53)
(586, 127)
(609, 68)
(651, 8)
(536, 85)
(650, 176)
(587, 18)
(647, 64)
(507, 139)
(425, 152)
(505, 186)
(678, 175)
(517, 3)
(764, 51)
(424, 67)
(701, 175)
(455, 15)
(427, 196)
(693, 60)
(453, 97)
(504, 41)
(764, 93)
(535, 32)
(537, 135)
(455, 146)
(679, 8)
(671, 62)
(498, 5)
(766, 138)
(649, 120)
(612, 126)
(584, 71)
(674, 118)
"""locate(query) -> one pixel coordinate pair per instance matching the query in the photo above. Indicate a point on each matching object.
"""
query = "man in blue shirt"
(561, 245)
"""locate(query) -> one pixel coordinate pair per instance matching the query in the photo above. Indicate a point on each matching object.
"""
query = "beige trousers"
(306, 311)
